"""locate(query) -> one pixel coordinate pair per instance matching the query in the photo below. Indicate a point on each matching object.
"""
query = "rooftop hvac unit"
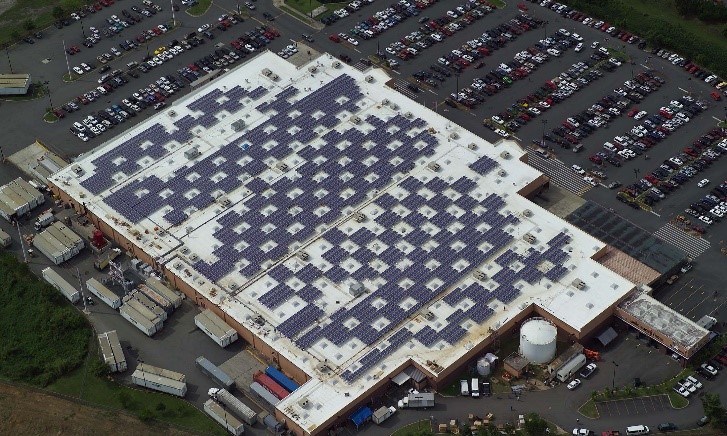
(408, 115)
(177, 265)
(238, 125)
(193, 258)
(234, 286)
(356, 289)
(303, 256)
(369, 79)
(185, 251)
(303, 402)
(360, 217)
(479, 275)
(312, 69)
(454, 135)
(224, 201)
(355, 119)
(528, 212)
(579, 284)
(77, 170)
(191, 153)
(434, 166)
(429, 316)
(472, 146)
(394, 106)
(385, 101)
(505, 155)
(324, 368)
(282, 166)
(267, 72)
(502, 173)
(529, 237)
(274, 77)
(172, 113)
(336, 64)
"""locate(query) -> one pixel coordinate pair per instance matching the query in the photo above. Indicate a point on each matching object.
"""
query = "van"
(475, 392)
(707, 322)
(637, 429)
(464, 388)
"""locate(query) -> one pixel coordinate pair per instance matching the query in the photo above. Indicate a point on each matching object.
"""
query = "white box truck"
(425, 399)
(571, 367)
(223, 417)
(58, 282)
(103, 293)
(464, 388)
(234, 405)
(382, 414)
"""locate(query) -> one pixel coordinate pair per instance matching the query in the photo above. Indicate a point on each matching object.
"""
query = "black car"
(29, 40)
(268, 16)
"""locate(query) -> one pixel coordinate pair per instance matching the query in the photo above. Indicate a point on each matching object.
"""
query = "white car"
(581, 432)
(706, 220)
(681, 391)
(204, 27)
(709, 368)
(78, 70)
(574, 384)
(352, 40)
(696, 383)
(590, 180)
(502, 133)
(578, 169)
(85, 67)
(702, 183)
(640, 115)
(579, 47)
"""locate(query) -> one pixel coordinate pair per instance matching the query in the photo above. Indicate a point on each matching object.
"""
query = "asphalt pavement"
(693, 295)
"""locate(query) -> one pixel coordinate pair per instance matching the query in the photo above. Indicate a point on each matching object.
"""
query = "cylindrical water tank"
(483, 367)
(537, 340)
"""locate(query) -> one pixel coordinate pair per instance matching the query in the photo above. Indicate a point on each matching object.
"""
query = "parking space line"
(689, 297)
(667, 300)
(717, 308)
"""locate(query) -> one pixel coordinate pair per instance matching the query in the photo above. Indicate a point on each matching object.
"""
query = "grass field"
(38, 12)
(200, 8)
(306, 6)
(659, 22)
(420, 428)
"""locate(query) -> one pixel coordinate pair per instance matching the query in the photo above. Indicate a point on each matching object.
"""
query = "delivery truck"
(45, 219)
(58, 282)
(417, 400)
(103, 293)
(382, 414)
(234, 405)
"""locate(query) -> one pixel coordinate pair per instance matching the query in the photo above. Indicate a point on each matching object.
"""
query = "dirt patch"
(6, 4)
(28, 412)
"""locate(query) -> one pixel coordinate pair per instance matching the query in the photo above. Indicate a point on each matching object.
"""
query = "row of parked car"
(437, 30)
(152, 96)
(581, 125)
(678, 170)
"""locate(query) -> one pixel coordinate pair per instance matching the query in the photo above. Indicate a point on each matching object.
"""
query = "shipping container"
(65, 288)
(234, 405)
(281, 379)
(270, 385)
(143, 311)
(146, 302)
(156, 298)
(214, 327)
(223, 417)
(139, 320)
(103, 293)
(172, 375)
(112, 352)
(270, 421)
(5, 239)
(159, 383)
(174, 297)
(264, 393)
(215, 373)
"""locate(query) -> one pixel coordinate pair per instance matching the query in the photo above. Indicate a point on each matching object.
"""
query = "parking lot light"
(7, 53)
(613, 382)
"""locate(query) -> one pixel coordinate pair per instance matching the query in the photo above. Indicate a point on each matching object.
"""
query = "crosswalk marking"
(361, 66)
(560, 174)
(401, 86)
(691, 245)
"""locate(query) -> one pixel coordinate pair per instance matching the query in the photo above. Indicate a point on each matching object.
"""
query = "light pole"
(545, 29)
(457, 84)
(613, 381)
(47, 88)
(636, 173)
(544, 122)
(7, 53)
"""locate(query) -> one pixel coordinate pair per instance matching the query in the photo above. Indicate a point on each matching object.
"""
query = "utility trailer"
(157, 298)
(214, 327)
(112, 352)
(58, 282)
(270, 384)
(138, 320)
(264, 393)
(103, 293)
(223, 417)
(215, 373)
(232, 403)
(5, 239)
(144, 311)
(175, 298)
(159, 383)
(146, 302)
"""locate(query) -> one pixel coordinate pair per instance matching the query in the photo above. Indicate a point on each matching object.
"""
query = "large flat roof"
(310, 209)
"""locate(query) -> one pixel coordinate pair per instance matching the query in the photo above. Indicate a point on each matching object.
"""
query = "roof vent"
(355, 119)
(336, 64)
(369, 79)
(479, 275)
(454, 135)
(192, 153)
(505, 155)
(529, 237)
(224, 201)
(579, 284)
(303, 256)
(359, 217)
(434, 166)
(502, 173)
(472, 146)
(528, 212)
(312, 69)
(282, 166)
(356, 289)
(408, 115)
(172, 113)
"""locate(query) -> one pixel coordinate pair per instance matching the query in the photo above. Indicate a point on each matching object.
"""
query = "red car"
(715, 96)
(522, 6)
(334, 38)
(632, 112)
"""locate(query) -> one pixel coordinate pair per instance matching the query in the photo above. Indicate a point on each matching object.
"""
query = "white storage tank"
(537, 340)
(483, 367)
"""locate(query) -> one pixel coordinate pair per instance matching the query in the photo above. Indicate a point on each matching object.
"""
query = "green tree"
(58, 12)
(145, 414)
(28, 24)
(714, 410)
(535, 425)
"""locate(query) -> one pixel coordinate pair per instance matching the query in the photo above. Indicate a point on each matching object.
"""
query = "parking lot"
(634, 406)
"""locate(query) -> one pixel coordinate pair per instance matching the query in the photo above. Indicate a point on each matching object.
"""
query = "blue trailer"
(281, 379)
(362, 415)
